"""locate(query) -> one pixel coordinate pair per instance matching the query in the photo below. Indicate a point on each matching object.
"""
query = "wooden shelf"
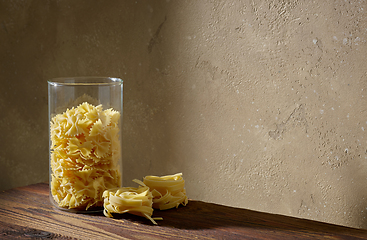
(27, 213)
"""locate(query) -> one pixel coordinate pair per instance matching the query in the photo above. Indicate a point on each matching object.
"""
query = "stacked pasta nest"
(154, 192)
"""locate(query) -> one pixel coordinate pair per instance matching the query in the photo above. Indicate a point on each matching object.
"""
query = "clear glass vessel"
(85, 115)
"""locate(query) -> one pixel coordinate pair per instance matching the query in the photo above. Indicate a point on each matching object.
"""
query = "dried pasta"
(85, 153)
(167, 191)
(137, 201)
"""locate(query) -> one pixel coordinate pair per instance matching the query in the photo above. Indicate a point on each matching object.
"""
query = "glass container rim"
(85, 81)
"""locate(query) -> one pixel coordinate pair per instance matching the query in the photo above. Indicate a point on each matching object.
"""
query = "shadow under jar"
(84, 140)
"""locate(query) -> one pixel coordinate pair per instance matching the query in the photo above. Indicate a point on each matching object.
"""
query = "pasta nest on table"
(137, 201)
(155, 192)
(168, 191)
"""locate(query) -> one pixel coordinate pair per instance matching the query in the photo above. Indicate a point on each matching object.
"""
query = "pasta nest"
(155, 192)
(168, 191)
(137, 201)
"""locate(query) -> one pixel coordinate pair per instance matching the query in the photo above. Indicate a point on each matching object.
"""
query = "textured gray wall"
(261, 104)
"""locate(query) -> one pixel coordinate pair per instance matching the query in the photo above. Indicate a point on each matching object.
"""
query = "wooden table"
(26, 213)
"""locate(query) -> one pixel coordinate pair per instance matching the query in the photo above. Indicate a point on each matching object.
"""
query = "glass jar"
(84, 140)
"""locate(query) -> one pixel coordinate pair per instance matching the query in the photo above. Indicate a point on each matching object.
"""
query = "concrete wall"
(261, 104)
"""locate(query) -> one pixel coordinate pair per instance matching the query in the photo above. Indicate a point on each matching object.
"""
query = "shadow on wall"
(43, 41)
(23, 100)
(154, 99)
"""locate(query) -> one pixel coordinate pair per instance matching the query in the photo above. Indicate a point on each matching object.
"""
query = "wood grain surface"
(26, 213)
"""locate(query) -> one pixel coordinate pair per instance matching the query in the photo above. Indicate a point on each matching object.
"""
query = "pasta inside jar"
(85, 152)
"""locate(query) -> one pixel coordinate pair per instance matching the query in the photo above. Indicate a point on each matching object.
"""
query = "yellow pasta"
(85, 151)
(154, 192)
(137, 201)
(167, 191)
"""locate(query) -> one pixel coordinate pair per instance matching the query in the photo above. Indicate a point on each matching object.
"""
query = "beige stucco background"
(261, 104)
